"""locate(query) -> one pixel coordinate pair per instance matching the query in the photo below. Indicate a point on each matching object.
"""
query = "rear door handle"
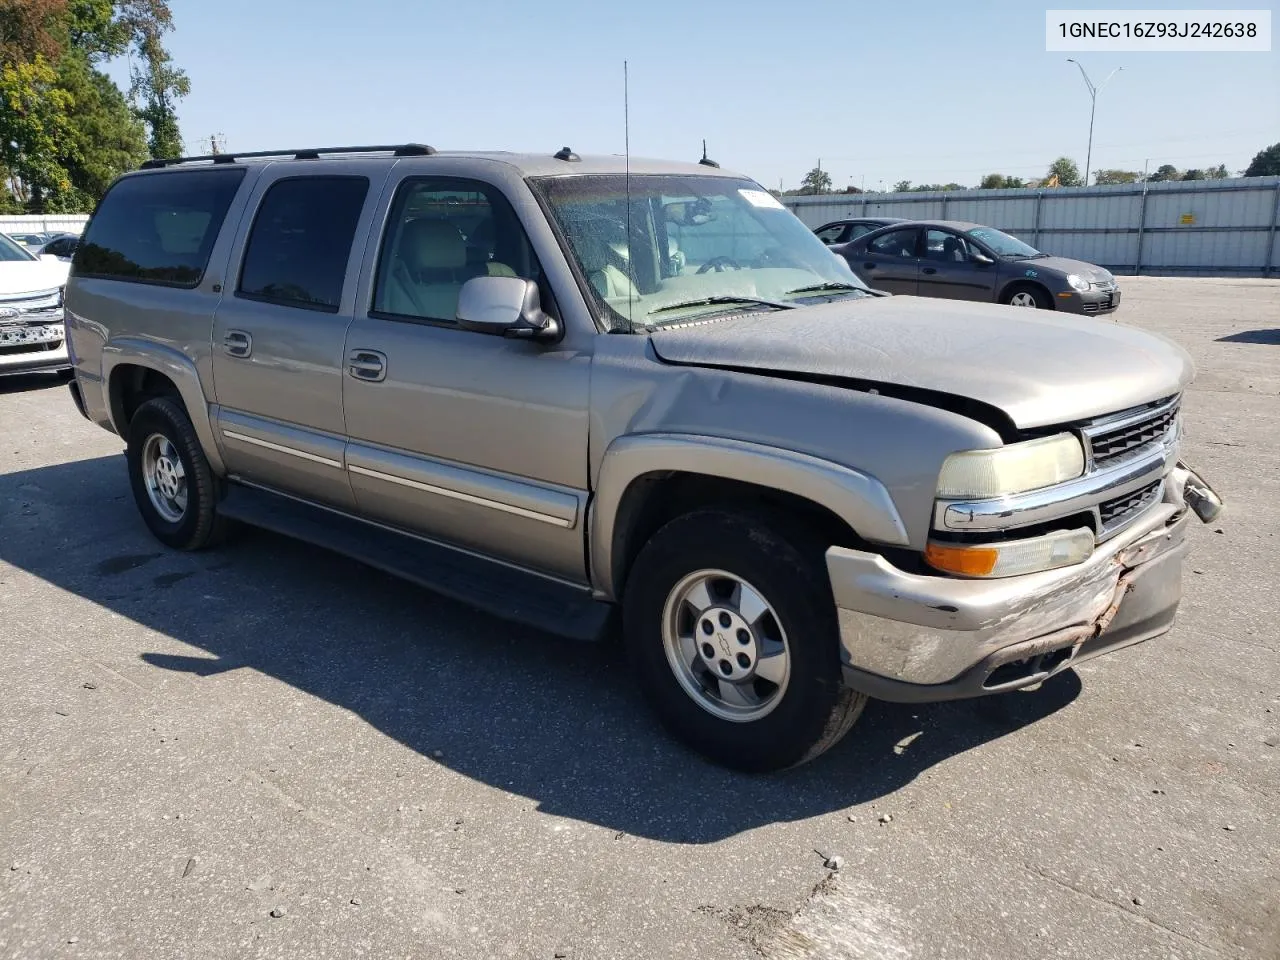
(367, 365)
(930, 270)
(868, 266)
(237, 343)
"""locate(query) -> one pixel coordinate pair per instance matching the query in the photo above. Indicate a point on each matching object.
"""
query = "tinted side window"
(301, 240)
(832, 234)
(859, 230)
(440, 234)
(158, 228)
(898, 243)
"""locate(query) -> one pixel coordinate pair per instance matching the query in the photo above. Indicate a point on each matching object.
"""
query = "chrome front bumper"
(911, 637)
(36, 361)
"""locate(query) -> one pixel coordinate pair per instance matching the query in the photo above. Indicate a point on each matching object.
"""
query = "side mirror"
(977, 256)
(504, 307)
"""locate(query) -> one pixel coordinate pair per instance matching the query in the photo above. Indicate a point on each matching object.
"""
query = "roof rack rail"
(308, 153)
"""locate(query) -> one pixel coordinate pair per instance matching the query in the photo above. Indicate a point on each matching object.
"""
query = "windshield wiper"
(832, 285)
(714, 301)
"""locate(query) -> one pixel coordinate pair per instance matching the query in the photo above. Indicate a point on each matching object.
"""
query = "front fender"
(858, 499)
(180, 369)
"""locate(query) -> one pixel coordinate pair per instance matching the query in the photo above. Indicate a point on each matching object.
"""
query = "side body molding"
(179, 368)
(858, 499)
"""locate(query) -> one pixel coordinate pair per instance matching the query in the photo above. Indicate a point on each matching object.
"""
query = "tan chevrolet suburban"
(557, 387)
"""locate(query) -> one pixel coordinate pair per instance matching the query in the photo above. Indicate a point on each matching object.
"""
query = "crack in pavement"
(1121, 908)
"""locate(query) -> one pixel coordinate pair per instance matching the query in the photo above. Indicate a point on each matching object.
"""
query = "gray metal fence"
(52, 223)
(1183, 228)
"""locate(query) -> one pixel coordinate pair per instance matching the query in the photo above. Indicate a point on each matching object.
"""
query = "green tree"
(1065, 169)
(1102, 177)
(1165, 172)
(1194, 174)
(902, 186)
(1220, 172)
(66, 130)
(998, 181)
(33, 128)
(104, 138)
(1266, 163)
(815, 181)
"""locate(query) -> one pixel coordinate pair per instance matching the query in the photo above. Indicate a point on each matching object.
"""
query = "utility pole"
(217, 142)
(1093, 106)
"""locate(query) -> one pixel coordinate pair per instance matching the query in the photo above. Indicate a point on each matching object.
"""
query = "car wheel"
(172, 482)
(731, 629)
(1028, 296)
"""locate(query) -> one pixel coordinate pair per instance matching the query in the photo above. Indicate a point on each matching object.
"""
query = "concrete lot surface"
(270, 751)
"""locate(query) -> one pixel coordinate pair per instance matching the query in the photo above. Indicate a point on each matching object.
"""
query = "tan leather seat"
(429, 268)
(601, 262)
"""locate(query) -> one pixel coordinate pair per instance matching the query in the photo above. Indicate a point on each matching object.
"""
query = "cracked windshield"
(685, 247)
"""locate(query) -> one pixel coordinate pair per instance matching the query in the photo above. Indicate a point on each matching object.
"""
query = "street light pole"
(1093, 106)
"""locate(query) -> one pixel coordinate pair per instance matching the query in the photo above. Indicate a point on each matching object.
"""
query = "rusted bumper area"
(917, 638)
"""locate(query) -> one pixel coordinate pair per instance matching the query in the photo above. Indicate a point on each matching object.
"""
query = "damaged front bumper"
(915, 638)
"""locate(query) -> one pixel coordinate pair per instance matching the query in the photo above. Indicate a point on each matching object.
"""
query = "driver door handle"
(368, 365)
(930, 270)
(868, 266)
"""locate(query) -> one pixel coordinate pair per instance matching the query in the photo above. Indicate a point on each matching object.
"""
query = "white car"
(32, 334)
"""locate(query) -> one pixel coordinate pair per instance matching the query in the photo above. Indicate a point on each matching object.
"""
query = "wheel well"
(655, 499)
(1013, 286)
(131, 386)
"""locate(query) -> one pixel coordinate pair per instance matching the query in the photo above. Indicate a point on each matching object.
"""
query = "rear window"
(301, 240)
(157, 228)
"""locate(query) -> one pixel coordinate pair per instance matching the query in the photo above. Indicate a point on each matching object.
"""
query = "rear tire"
(732, 631)
(1027, 295)
(173, 484)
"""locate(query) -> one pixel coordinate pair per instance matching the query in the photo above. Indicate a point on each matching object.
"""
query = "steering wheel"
(718, 264)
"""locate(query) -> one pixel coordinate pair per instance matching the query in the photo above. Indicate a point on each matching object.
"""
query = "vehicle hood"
(1039, 369)
(31, 276)
(1062, 265)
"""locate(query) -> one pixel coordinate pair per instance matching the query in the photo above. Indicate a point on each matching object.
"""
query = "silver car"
(596, 397)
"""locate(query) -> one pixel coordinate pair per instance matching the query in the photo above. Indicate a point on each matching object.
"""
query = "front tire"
(172, 482)
(731, 629)
(1028, 295)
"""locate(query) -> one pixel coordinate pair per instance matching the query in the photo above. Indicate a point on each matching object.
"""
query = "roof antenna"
(626, 141)
(706, 161)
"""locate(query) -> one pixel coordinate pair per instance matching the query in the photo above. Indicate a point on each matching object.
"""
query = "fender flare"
(181, 370)
(857, 498)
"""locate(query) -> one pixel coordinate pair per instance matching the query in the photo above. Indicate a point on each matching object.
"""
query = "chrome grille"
(28, 308)
(1112, 441)
(1117, 512)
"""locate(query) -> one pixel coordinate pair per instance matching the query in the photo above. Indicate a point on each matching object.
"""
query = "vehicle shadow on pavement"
(1253, 336)
(553, 720)
(23, 382)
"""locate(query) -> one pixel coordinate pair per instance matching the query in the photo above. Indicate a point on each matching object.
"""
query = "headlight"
(1012, 557)
(981, 474)
(1078, 284)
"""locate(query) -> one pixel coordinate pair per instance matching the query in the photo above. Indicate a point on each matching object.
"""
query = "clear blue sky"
(924, 91)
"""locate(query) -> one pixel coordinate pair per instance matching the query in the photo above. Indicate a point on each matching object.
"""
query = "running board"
(496, 588)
